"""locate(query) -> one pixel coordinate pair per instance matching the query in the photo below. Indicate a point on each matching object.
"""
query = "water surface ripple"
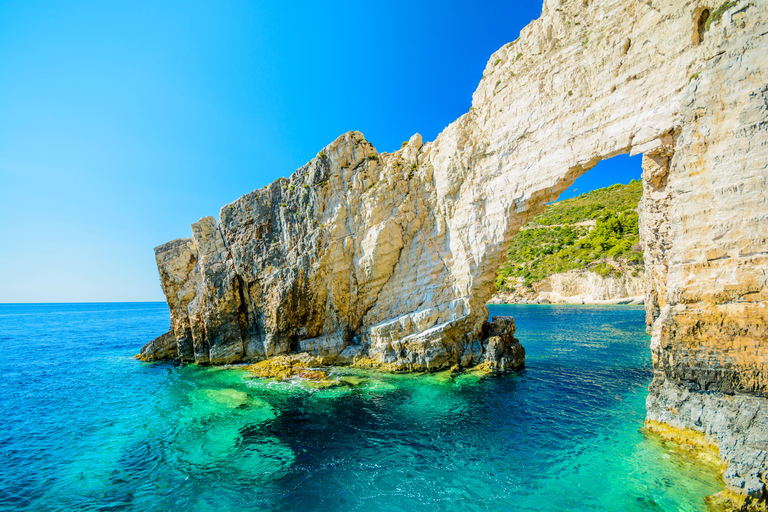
(85, 427)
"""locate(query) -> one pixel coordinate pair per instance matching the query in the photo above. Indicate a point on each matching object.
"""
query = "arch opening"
(585, 246)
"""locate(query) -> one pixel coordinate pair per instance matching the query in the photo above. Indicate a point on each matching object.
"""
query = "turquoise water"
(85, 427)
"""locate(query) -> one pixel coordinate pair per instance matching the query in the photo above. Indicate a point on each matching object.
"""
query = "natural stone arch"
(550, 106)
(388, 259)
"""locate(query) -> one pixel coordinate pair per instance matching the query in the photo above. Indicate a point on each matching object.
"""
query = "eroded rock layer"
(391, 257)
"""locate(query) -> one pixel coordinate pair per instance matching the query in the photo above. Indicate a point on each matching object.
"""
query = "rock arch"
(388, 259)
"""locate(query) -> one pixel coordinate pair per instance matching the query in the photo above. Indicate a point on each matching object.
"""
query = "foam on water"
(85, 427)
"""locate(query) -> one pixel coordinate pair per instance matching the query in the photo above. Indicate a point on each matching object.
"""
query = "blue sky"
(121, 123)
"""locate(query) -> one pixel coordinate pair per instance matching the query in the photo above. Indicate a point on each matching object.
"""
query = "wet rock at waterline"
(500, 350)
(164, 346)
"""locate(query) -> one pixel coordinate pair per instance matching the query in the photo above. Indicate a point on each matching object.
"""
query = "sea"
(85, 427)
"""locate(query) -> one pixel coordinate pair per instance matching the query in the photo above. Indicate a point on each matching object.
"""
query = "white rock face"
(392, 257)
(580, 287)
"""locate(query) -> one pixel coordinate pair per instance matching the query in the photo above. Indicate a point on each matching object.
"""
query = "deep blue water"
(86, 427)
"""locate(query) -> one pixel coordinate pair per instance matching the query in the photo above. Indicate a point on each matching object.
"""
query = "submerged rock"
(228, 398)
(353, 380)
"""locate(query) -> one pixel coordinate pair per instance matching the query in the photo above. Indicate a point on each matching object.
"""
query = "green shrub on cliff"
(562, 237)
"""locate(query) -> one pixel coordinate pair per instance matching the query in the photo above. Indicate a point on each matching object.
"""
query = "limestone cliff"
(578, 287)
(391, 257)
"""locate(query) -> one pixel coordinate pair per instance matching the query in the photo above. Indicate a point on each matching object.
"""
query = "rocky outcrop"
(499, 352)
(502, 351)
(578, 287)
(162, 347)
(392, 257)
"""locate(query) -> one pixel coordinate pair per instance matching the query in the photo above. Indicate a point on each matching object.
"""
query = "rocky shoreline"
(578, 287)
(575, 300)
(497, 351)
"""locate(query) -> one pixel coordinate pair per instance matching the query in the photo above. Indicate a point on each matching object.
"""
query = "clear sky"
(619, 169)
(121, 123)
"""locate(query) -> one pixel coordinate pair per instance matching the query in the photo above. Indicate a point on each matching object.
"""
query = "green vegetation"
(321, 155)
(560, 238)
(715, 16)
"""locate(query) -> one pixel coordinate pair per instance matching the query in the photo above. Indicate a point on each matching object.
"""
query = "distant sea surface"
(86, 427)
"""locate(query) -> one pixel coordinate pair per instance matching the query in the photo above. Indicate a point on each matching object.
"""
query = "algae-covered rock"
(469, 378)
(444, 377)
(284, 367)
(231, 403)
(728, 501)
(229, 398)
(377, 386)
(299, 367)
(208, 402)
(372, 364)
(321, 384)
(353, 380)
